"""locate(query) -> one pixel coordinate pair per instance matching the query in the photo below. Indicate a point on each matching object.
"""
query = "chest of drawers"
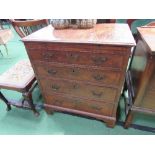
(142, 75)
(81, 71)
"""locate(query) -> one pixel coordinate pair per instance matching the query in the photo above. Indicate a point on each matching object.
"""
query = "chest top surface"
(148, 35)
(111, 34)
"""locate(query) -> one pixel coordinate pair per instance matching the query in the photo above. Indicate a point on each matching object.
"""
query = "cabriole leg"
(28, 98)
(2, 97)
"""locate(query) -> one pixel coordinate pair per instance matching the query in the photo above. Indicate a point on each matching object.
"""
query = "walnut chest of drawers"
(81, 71)
(142, 75)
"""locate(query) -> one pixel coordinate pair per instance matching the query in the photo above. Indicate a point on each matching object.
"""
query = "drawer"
(79, 104)
(80, 58)
(78, 89)
(101, 77)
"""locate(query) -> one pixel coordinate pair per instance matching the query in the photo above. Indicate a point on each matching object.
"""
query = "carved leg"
(28, 98)
(129, 119)
(111, 123)
(2, 97)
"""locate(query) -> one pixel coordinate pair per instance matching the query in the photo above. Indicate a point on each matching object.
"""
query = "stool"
(19, 78)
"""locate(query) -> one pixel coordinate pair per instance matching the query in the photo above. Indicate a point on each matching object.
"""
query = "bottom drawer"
(80, 104)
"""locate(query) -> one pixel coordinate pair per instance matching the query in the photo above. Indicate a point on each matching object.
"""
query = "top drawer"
(80, 58)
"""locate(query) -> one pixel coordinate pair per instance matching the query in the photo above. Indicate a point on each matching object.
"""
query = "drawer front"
(78, 89)
(77, 73)
(81, 58)
(81, 105)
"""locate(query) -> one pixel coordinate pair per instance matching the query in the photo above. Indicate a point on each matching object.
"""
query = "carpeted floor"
(19, 121)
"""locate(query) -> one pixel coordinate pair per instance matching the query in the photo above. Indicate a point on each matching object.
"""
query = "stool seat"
(18, 76)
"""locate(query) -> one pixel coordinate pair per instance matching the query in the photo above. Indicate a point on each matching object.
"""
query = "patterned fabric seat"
(18, 76)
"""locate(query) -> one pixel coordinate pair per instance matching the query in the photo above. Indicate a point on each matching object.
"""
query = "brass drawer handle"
(72, 56)
(99, 60)
(95, 107)
(97, 94)
(55, 87)
(75, 86)
(75, 71)
(52, 72)
(48, 55)
(98, 77)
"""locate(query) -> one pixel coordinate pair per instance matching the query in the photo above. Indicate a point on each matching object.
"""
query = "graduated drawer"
(74, 88)
(79, 104)
(81, 58)
(77, 73)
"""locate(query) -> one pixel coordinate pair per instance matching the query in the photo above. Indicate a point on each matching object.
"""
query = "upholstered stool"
(19, 78)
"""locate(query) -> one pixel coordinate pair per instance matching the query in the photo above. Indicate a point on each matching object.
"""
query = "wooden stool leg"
(2, 97)
(28, 98)
(129, 119)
